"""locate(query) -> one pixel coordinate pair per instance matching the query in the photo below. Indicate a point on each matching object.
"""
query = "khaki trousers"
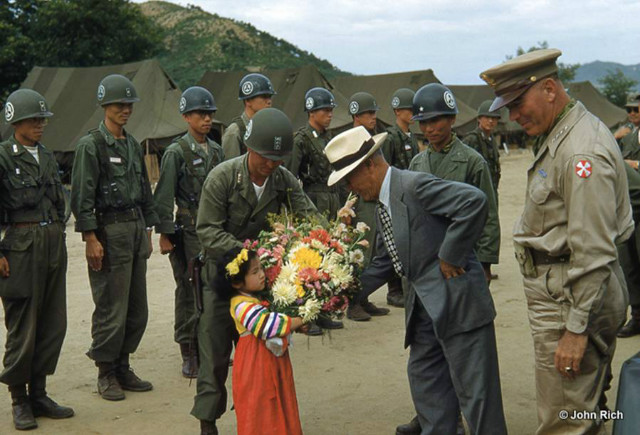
(549, 298)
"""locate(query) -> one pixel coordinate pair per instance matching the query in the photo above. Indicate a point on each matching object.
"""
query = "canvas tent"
(71, 94)
(291, 85)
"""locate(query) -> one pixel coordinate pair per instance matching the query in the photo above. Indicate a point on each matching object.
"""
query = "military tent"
(291, 84)
(71, 94)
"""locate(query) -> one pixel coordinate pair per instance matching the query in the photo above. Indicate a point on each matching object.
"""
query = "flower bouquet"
(312, 270)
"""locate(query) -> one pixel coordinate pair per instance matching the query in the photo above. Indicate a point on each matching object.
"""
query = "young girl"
(264, 394)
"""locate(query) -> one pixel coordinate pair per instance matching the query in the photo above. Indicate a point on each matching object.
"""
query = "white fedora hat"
(350, 148)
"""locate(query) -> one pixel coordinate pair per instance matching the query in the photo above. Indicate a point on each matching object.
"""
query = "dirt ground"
(350, 382)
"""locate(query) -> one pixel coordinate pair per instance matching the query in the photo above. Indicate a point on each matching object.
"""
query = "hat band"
(351, 158)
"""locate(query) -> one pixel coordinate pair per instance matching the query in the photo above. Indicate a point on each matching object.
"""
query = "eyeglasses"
(632, 109)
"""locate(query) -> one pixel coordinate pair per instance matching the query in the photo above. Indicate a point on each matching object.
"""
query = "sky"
(458, 39)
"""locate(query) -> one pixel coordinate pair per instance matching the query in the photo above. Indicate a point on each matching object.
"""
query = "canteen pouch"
(525, 260)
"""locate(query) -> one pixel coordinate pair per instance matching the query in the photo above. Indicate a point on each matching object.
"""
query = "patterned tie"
(387, 236)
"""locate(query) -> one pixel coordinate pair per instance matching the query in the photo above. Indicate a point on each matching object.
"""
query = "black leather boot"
(108, 386)
(42, 405)
(128, 379)
(23, 418)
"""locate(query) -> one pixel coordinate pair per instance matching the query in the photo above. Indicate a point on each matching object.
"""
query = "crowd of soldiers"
(211, 197)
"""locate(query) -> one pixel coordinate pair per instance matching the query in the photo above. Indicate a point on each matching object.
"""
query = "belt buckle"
(44, 223)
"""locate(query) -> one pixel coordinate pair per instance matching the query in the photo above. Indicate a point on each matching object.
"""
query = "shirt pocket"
(17, 249)
(24, 189)
(535, 214)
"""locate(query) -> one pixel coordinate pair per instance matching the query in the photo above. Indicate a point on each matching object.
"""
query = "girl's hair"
(232, 269)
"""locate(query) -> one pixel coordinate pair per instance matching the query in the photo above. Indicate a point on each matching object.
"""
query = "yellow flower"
(305, 257)
(300, 290)
(233, 267)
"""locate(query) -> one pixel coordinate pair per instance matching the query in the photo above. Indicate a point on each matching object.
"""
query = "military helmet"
(361, 102)
(402, 99)
(433, 100)
(318, 98)
(270, 134)
(24, 104)
(197, 98)
(483, 110)
(116, 88)
(253, 85)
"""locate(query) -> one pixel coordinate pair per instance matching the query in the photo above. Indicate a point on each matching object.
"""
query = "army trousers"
(34, 300)
(325, 198)
(119, 291)
(186, 248)
(549, 299)
(629, 255)
(216, 330)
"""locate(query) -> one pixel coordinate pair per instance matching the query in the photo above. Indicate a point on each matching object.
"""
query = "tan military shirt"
(577, 203)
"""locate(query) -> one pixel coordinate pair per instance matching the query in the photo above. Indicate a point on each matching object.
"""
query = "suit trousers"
(459, 372)
(548, 299)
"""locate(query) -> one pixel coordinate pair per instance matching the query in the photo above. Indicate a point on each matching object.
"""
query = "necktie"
(387, 236)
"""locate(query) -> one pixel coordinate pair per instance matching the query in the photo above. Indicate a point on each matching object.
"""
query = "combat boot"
(44, 406)
(357, 313)
(23, 418)
(373, 310)
(189, 361)
(128, 379)
(108, 386)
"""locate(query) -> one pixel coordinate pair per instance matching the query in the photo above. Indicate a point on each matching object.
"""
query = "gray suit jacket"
(435, 219)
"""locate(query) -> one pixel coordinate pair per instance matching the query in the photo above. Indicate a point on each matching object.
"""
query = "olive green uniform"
(233, 137)
(113, 198)
(34, 294)
(230, 213)
(488, 148)
(309, 163)
(182, 183)
(629, 251)
(458, 162)
(630, 145)
(399, 147)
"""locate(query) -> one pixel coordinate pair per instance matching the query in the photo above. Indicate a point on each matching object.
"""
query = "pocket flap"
(17, 241)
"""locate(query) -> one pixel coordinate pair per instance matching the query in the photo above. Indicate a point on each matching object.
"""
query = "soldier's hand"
(487, 272)
(569, 353)
(94, 252)
(633, 163)
(165, 244)
(149, 232)
(4, 267)
(449, 270)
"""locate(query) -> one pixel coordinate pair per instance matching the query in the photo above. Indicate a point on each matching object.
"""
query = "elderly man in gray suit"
(427, 231)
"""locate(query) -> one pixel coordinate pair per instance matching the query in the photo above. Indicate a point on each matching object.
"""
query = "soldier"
(310, 165)
(576, 209)
(236, 198)
(398, 150)
(33, 261)
(401, 146)
(185, 165)
(483, 142)
(630, 143)
(363, 109)
(255, 91)
(434, 106)
(112, 202)
(633, 118)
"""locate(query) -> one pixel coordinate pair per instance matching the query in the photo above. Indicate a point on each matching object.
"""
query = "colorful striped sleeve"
(261, 322)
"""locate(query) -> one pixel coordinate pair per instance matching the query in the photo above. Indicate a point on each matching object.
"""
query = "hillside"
(197, 41)
(593, 71)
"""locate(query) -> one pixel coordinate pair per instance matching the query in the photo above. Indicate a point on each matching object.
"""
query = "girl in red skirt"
(264, 393)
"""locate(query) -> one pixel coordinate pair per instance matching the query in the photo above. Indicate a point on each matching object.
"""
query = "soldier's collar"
(447, 147)
(110, 139)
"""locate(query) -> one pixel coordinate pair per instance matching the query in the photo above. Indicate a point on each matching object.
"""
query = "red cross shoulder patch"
(583, 168)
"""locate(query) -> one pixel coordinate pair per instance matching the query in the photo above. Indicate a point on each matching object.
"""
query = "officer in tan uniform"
(576, 210)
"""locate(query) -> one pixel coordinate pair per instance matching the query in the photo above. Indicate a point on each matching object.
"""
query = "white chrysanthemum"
(341, 276)
(288, 273)
(284, 293)
(331, 261)
(341, 228)
(356, 256)
(317, 244)
(361, 227)
(310, 310)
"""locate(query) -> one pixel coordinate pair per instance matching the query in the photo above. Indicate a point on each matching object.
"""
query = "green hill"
(197, 41)
(595, 70)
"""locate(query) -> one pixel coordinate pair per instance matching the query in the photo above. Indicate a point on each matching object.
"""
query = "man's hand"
(449, 270)
(165, 244)
(487, 272)
(571, 348)
(93, 251)
(149, 232)
(633, 163)
(4, 267)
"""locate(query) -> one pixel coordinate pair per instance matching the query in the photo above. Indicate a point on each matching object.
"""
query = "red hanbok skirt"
(264, 393)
